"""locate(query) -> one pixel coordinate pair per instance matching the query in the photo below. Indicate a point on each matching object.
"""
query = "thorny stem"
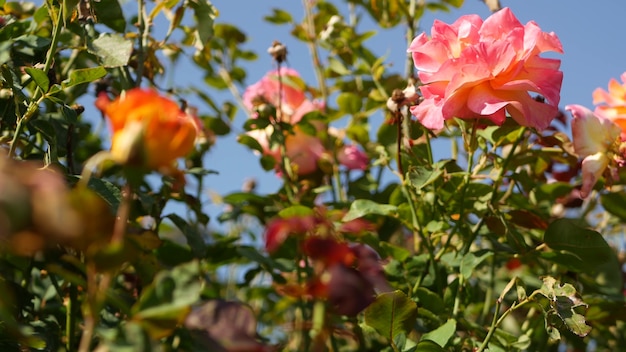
(39, 95)
(496, 185)
(225, 75)
(97, 289)
(89, 319)
(399, 119)
(285, 164)
(505, 164)
(312, 44)
(72, 314)
(303, 338)
(339, 193)
(495, 322)
(470, 146)
(411, 24)
(123, 213)
(490, 289)
(429, 148)
(318, 319)
(144, 31)
(358, 80)
(418, 233)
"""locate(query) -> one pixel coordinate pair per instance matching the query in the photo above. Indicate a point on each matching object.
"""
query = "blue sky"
(591, 34)
(592, 37)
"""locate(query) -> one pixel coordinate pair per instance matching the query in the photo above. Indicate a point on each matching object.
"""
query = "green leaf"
(108, 191)
(471, 261)
(430, 299)
(295, 210)
(165, 303)
(349, 103)
(217, 125)
(455, 3)
(68, 8)
(391, 313)
(172, 253)
(615, 203)
(69, 114)
(194, 238)
(241, 198)
(442, 334)
(396, 252)
(204, 14)
(84, 75)
(574, 321)
(428, 346)
(33, 41)
(113, 50)
(110, 14)
(338, 67)
(40, 78)
(362, 207)
(250, 142)
(586, 249)
(565, 303)
(268, 162)
(358, 133)
(423, 175)
(387, 135)
(279, 16)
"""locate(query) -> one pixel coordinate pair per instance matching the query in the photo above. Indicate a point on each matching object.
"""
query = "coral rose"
(613, 102)
(484, 69)
(149, 130)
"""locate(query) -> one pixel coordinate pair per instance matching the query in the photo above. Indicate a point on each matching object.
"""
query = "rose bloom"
(149, 130)
(613, 102)
(292, 100)
(352, 158)
(484, 69)
(303, 150)
(596, 140)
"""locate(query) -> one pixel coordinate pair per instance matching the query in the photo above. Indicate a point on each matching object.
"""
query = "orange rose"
(149, 130)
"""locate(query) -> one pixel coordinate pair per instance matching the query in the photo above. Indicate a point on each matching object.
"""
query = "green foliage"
(487, 249)
(391, 314)
(442, 334)
(362, 207)
(112, 50)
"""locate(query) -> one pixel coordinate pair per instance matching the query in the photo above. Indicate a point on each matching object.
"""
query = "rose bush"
(373, 240)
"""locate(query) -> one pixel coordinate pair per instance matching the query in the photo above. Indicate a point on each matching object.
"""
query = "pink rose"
(475, 69)
(353, 158)
(267, 91)
(302, 150)
(596, 140)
